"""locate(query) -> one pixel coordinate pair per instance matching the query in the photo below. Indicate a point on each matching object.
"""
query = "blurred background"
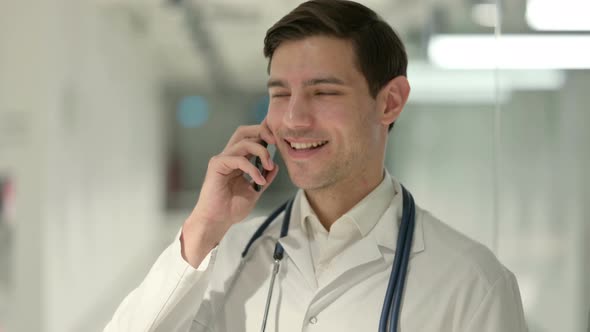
(111, 109)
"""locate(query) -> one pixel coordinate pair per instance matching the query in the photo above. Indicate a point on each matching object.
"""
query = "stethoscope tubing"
(398, 277)
(275, 271)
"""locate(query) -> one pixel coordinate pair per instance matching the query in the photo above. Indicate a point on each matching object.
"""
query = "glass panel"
(6, 212)
(442, 147)
(543, 158)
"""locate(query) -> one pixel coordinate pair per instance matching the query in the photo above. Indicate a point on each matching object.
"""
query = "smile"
(307, 145)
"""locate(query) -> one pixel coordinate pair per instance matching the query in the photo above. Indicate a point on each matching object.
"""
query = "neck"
(332, 202)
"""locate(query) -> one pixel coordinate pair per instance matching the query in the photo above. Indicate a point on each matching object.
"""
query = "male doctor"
(337, 83)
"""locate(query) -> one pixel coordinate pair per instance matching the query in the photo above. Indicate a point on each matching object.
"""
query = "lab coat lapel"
(386, 231)
(296, 246)
(355, 262)
(370, 255)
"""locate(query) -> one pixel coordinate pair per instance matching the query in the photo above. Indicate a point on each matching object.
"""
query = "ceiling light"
(563, 15)
(510, 51)
(436, 85)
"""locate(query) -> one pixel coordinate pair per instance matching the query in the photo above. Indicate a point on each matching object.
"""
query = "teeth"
(301, 146)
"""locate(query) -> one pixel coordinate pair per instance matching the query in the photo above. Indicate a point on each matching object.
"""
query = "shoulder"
(483, 290)
(238, 235)
(480, 287)
(228, 255)
(457, 251)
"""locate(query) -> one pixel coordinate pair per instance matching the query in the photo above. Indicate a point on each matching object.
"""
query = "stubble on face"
(348, 167)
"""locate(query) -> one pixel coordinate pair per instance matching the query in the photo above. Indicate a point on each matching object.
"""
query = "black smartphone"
(258, 163)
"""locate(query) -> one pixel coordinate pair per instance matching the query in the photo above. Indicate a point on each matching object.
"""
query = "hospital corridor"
(110, 111)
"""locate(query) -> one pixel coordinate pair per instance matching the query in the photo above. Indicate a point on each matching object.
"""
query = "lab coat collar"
(379, 243)
(296, 243)
(362, 214)
(386, 232)
(375, 251)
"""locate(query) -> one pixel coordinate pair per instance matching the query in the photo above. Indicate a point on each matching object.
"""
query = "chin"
(308, 181)
(300, 182)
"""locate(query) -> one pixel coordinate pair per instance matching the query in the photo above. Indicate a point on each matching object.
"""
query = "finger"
(243, 132)
(247, 148)
(226, 165)
(270, 177)
(251, 139)
(266, 134)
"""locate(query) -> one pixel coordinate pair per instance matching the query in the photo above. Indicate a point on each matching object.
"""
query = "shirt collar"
(365, 214)
(308, 215)
(384, 233)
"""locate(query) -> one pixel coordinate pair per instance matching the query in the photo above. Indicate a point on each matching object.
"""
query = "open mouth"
(306, 145)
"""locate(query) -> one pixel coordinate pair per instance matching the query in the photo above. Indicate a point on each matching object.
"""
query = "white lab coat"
(453, 284)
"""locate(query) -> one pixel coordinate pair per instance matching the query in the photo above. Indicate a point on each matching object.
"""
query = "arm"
(172, 291)
(168, 297)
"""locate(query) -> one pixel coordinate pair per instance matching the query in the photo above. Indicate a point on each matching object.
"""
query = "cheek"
(332, 112)
(343, 115)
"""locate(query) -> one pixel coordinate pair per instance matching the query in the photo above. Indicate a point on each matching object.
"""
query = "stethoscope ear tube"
(278, 256)
(394, 294)
(399, 289)
(275, 271)
(263, 227)
(279, 251)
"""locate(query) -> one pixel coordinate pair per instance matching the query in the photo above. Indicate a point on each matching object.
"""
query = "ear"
(392, 98)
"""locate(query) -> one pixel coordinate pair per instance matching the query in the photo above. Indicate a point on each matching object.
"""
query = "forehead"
(315, 56)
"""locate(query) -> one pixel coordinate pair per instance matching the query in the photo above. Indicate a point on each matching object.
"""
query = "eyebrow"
(272, 83)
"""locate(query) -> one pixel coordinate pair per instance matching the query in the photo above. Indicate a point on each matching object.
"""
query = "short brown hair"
(381, 55)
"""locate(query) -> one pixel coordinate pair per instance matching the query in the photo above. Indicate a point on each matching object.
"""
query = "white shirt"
(349, 228)
(453, 283)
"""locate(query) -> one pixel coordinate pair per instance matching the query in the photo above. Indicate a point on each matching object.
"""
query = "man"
(337, 83)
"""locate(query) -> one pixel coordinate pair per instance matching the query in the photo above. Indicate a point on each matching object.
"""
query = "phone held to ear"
(272, 149)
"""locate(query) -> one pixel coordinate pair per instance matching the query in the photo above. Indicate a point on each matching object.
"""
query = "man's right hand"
(226, 196)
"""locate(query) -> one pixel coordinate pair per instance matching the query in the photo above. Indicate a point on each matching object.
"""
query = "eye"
(280, 95)
(327, 93)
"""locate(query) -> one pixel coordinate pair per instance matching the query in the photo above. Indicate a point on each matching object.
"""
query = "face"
(326, 123)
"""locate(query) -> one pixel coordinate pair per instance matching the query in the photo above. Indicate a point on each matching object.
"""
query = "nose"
(298, 114)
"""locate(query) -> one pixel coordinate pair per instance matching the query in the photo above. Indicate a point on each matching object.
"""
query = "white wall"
(573, 208)
(90, 174)
(443, 154)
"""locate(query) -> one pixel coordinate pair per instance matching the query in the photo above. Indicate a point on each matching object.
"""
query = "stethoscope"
(393, 296)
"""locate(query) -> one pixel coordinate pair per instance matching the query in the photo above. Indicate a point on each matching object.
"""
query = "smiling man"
(337, 83)
(329, 127)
